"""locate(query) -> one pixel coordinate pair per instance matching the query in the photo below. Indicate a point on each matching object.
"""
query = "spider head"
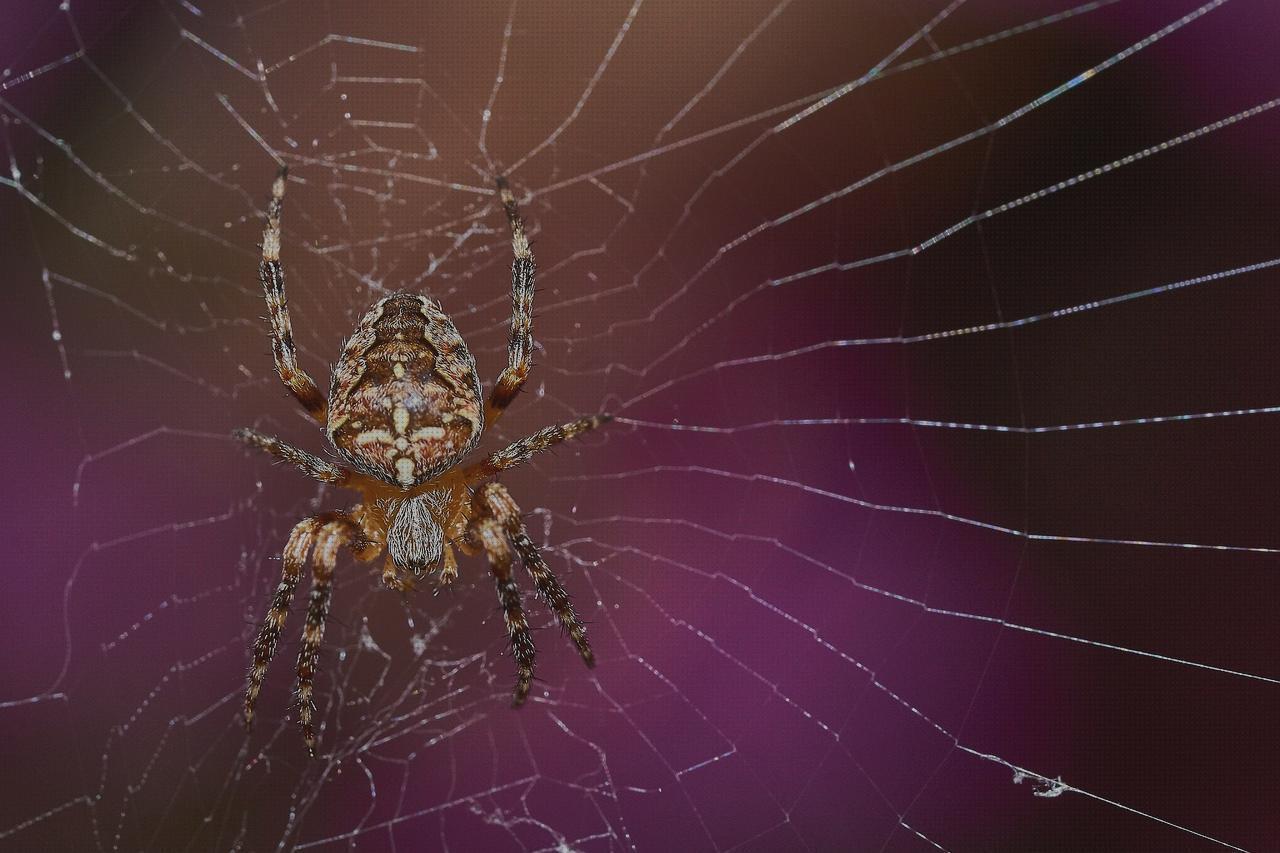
(415, 540)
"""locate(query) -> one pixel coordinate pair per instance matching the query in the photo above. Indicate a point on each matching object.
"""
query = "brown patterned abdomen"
(405, 405)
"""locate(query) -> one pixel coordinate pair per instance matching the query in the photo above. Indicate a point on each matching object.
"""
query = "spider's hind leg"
(554, 594)
(495, 508)
(301, 539)
(489, 535)
(341, 531)
(264, 648)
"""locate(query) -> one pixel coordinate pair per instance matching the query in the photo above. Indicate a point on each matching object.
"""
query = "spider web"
(938, 509)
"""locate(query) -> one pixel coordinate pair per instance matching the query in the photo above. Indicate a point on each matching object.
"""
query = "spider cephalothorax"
(403, 411)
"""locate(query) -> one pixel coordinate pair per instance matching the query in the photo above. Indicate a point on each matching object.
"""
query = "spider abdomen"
(405, 404)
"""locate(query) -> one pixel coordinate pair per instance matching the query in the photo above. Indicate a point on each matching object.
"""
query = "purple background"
(787, 660)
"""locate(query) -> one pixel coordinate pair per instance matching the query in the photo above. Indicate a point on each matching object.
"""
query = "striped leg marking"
(283, 349)
(490, 536)
(312, 466)
(520, 344)
(494, 503)
(325, 558)
(522, 451)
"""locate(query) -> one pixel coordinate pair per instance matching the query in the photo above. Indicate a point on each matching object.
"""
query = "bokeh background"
(900, 540)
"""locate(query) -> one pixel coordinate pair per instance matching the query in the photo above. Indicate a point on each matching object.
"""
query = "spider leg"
(393, 578)
(495, 502)
(283, 349)
(300, 541)
(520, 345)
(449, 567)
(554, 594)
(312, 466)
(488, 533)
(324, 559)
(519, 452)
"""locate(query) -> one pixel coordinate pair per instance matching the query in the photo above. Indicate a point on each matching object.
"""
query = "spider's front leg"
(497, 527)
(283, 349)
(520, 345)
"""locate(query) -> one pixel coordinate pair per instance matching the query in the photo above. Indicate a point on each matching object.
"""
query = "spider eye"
(415, 541)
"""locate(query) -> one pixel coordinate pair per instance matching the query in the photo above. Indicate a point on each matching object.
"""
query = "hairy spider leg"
(554, 594)
(494, 501)
(392, 579)
(520, 344)
(301, 538)
(312, 466)
(324, 560)
(519, 452)
(488, 533)
(283, 348)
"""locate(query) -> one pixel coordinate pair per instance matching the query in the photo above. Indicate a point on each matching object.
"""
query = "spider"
(404, 409)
